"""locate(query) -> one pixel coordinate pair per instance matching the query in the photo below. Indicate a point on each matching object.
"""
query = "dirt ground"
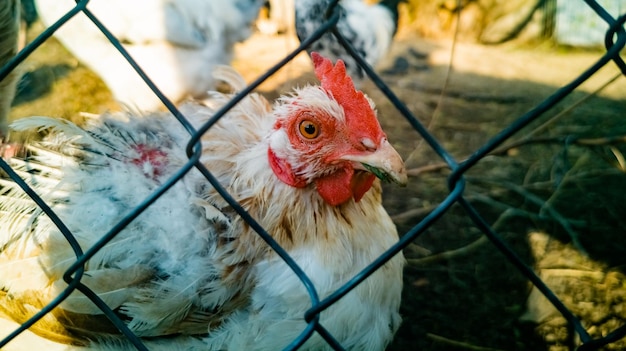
(556, 198)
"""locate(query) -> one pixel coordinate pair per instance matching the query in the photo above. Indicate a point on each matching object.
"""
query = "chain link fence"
(615, 41)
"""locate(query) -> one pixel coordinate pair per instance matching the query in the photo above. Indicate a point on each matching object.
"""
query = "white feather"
(177, 43)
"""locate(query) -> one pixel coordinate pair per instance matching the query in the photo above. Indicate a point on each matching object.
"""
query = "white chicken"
(176, 42)
(189, 273)
(368, 28)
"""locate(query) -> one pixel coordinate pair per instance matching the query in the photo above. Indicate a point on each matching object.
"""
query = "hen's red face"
(329, 135)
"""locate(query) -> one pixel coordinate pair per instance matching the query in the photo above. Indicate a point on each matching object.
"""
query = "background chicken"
(176, 42)
(305, 169)
(368, 28)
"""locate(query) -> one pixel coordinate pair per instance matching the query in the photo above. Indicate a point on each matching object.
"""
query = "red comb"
(337, 83)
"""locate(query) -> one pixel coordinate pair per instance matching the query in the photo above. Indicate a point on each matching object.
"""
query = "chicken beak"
(385, 163)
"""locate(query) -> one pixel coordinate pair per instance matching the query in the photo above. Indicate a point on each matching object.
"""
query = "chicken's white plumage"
(178, 43)
(188, 273)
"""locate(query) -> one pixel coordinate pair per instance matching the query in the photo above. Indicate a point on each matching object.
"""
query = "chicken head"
(329, 136)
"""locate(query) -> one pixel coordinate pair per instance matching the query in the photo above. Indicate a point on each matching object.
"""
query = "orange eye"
(309, 129)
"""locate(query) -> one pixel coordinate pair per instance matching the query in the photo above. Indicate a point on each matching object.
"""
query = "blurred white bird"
(189, 273)
(176, 42)
(368, 28)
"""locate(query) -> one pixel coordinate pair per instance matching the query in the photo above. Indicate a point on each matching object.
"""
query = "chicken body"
(177, 43)
(189, 273)
(368, 28)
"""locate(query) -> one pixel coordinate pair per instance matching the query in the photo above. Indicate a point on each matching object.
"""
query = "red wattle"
(343, 185)
(361, 183)
(335, 188)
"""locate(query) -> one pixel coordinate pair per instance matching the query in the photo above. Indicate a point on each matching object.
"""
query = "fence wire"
(615, 41)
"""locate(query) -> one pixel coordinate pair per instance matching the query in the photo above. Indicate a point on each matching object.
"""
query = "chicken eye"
(309, 129)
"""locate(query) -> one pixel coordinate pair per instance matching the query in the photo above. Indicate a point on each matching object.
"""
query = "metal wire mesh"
(615, 41)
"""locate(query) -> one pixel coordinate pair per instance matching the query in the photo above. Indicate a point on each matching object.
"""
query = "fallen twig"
(446, 255)
(459, 343)
(414, 172)
(571, 140)
(572, 107)
(573, 273)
